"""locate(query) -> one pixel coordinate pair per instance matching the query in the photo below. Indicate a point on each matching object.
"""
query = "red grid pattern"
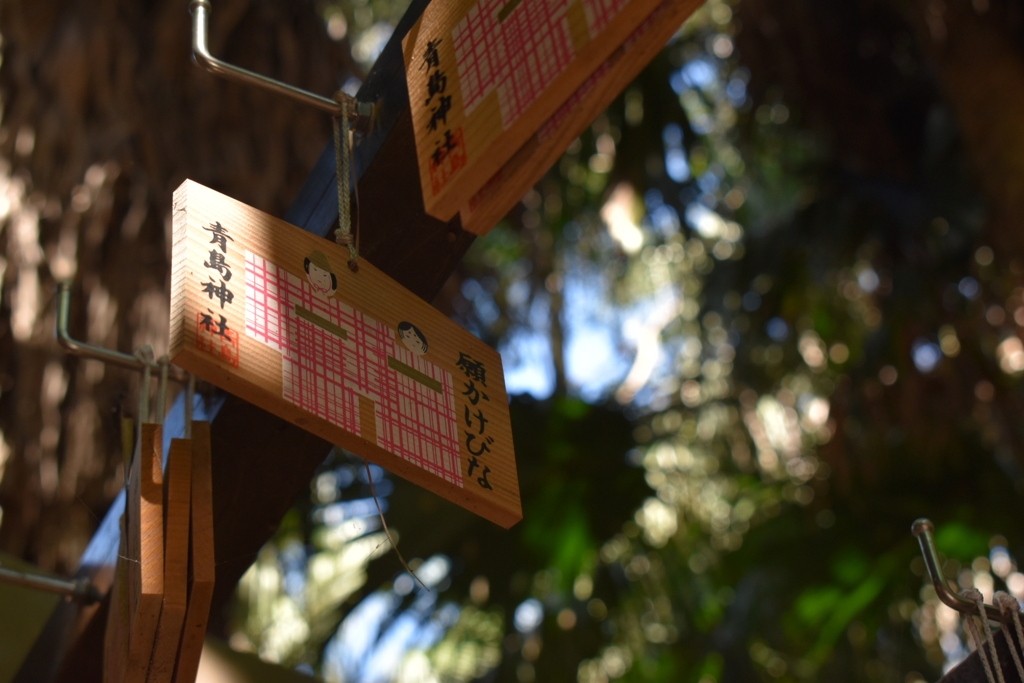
(599, 13)
(519, 56)
(312, 358)
(324, 374)
(552, 124)
(413, 421)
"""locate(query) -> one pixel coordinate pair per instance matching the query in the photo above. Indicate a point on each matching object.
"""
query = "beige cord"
(974, 595)
(1010, 609)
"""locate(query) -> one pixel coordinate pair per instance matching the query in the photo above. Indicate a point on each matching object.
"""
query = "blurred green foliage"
(772, 256)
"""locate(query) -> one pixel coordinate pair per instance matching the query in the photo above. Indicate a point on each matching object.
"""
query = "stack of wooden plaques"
(499, 88)
(160, 601)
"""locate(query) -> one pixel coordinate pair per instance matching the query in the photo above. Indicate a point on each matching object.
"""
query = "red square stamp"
(448, 157)
(214, 336)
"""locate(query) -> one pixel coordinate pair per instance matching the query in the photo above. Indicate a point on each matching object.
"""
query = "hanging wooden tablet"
(138, 590)
(485, 75)
(177, 508)
(528, 165)
(115, 639)
(273, 314)
(201, 558)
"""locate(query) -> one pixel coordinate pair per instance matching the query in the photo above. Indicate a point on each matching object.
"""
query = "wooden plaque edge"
(200, 364)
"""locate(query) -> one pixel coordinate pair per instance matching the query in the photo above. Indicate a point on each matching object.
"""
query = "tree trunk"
(104, 115)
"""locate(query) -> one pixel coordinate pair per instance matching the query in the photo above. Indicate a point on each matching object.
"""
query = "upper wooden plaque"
(527, 166)
(274, 315)
(485, 75)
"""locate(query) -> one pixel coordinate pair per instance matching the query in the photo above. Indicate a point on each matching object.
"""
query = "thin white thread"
(387, 532)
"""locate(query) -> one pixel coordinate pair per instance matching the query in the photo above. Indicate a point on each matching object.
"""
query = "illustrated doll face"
(413, 341)
(320, 278)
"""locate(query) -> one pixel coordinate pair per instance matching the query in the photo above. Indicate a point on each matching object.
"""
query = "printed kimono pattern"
(521, 52)
(331, 354)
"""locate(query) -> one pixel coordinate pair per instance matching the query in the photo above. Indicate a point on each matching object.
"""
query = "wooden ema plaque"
(168, 522)
(528, 165)
(177, 507)
(274, 315)
(485, 75)
(202, 570)
(138, 592)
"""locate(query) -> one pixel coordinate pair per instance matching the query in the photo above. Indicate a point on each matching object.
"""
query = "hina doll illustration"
(338, 364)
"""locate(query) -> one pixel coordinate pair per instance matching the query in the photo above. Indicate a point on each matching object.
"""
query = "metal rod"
(79, 589)
(923, 529)
(80, 348)
(200, 9)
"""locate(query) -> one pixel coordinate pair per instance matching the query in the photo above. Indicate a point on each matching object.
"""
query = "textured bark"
(977, 50)
(864, 72)
(104, 115)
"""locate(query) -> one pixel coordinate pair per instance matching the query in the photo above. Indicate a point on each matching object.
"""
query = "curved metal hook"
(80, 348)
(358, 112)
(923, 529)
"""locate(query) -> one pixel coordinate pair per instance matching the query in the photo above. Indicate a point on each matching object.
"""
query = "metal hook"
(357, 111)
(80, 348)
(80, 589)
(923, 529)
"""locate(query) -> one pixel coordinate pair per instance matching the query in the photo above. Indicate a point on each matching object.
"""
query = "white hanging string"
(387, 531)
